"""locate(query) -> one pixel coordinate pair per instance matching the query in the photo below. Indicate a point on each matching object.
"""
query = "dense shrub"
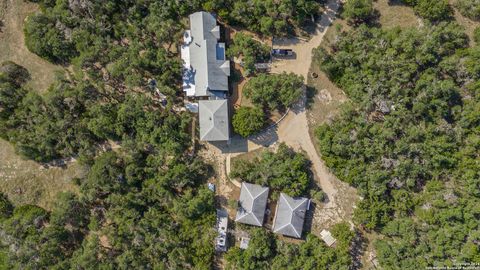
(247, 120)
(13, 73)
(274, 91)
(251, 51)
(409, 140)
(433, 10)
(476, 35)
(357, 11)
(469, 8)
(42, 37)
(12, 78)
(283, 171)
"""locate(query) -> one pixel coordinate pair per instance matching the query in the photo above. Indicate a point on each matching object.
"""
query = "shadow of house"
(237, 144)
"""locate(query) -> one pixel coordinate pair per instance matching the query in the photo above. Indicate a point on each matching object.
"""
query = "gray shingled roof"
(290, 215)
(214, 125)
(210, 73)
(252, 203)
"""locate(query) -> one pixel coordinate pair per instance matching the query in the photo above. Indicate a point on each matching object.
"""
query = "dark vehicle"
(282, 52)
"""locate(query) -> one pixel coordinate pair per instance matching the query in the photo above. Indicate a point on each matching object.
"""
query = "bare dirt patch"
(12, 44)
(237, 86)
(324, 106)
(225, 189)
(27, 182)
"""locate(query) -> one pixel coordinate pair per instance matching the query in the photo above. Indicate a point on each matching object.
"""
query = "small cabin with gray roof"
(290, 215)
(252, 204)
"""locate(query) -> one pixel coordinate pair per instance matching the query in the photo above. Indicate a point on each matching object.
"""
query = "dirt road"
(294, 130)
(300, 64)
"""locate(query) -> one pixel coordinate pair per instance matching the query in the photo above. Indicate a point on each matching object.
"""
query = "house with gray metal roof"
(290, 215)
(205, 75)
(206, 69)
(252, 204)
(214, 125)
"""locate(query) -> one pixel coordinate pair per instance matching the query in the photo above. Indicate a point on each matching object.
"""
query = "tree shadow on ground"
(267, 137)
(310, 93)
(359, 246)
(396, 3)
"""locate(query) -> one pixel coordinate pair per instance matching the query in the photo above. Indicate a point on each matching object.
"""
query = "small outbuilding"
(252, 204)
(327, 238)
(290, 215)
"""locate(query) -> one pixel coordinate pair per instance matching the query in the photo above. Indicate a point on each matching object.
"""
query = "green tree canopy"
(252, 51)
(358, 11)
(283, 171)
(248, 120)
(274, 91)
(42, 37)
(469, 8)
(12, 78)
(407, 140)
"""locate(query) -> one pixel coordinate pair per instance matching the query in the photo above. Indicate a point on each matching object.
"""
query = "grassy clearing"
(248, 156)
(325, 100)
(12, 45)
(395, 14)
(27, 182)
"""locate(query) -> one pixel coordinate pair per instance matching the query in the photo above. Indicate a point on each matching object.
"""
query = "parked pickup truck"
(282, 52)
